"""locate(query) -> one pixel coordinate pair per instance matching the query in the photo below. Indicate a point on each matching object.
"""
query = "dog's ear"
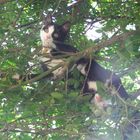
(66, 26)
(48, 19)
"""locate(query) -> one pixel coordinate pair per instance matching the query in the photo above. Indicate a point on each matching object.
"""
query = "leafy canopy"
(46, 110)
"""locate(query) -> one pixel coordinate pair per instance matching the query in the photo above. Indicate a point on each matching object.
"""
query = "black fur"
(63, 49)
(94, 72)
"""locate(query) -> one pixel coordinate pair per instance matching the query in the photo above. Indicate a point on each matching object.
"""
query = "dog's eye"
(46, 30)
(55, 35)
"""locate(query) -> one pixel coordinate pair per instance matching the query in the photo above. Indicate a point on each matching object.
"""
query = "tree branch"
(4, 1)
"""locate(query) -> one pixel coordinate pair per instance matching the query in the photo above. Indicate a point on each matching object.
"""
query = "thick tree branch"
(112, 40)
(103, 44)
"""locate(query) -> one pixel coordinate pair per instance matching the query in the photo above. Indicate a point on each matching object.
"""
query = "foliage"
(51, 110)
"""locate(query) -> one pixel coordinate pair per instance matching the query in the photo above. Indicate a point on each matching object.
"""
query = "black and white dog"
(53, 36)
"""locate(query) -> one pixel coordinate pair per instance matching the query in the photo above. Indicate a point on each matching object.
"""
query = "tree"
(46, 110)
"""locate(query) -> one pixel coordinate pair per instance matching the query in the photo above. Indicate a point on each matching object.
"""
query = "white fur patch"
(46, 37)
(81, 68)
(44, 59)
(16, 76)
(138, 97)
(51, 63)
(54, 62)
(92, 85)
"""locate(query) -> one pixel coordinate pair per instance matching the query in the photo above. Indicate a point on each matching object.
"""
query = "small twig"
(56, 7)
(85, 80)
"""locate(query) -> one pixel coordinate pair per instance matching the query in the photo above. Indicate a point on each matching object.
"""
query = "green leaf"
(57, 95)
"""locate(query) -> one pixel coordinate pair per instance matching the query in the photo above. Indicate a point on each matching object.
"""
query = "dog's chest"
(46, 37)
